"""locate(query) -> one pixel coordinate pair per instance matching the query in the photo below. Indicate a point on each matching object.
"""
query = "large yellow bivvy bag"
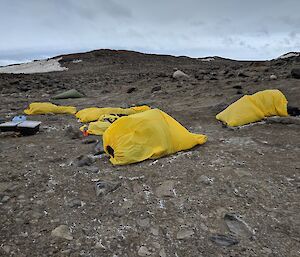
(252, 108)
(150, 134)
(94, 113)
(45, 108)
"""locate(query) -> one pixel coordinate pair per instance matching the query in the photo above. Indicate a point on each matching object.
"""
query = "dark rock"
(105, 187)
(130, 90)
(237, 87)
(92, 169)
(89, 140)
(157, 88)
(224, 240)
(73, 133)
(99, 149)
(295, 73)
(242, 75)
(74, 203)
(85, 160)
(237, 226)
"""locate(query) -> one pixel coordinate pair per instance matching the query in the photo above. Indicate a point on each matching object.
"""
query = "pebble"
(143, 251)
(105, 187)
(273, 77)
(93, 169)
(166, 189)
(206, 180)
(5, 199)
(62, 231)
(162, 253)
(143, 222)
(6, 248)
(74, 203)
(154, 231)
(223, 240)
(85, 160)
(157, 88)
(184, 234)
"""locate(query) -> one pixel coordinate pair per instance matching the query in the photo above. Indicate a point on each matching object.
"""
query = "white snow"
(207, 59)
(76, 61)
(289, 55)
(34, 67)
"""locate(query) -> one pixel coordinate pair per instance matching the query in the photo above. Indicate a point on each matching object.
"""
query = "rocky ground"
(237, 195)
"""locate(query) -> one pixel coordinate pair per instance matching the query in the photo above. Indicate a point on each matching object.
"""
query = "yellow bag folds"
(94, 113)
(96, 128)
(44, 108)
(252, 108)
(150, 134)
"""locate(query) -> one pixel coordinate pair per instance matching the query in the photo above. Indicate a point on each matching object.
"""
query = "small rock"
(242, 75)
(237, 87)
(206, 180)
(62, 231)
(130, 90)
(183, 234)
(74, 203)
(165, 189)
(88, 141)
(295, 73)
(6, 248)
(99, 149)
(143, 251)
(5, 186)
(223, 240)
(106, 187)
(154, 231)
(267, 250)
(157, 88)
(92, 169)
(73, 133)
(143, 222)
(180, 75)
(85, 160)
(162, 253)
(5, 199)
(273, 77)
(237, 226)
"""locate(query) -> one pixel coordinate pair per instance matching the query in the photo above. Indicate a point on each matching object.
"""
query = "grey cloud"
(232, 28)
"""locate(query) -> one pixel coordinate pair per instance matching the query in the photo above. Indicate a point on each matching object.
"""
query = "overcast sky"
(238, 29)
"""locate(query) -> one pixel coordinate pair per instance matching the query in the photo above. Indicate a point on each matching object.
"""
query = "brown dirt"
(253, 171)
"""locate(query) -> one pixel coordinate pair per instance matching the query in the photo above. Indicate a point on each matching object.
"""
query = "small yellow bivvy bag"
(45, 108)
(252, 108)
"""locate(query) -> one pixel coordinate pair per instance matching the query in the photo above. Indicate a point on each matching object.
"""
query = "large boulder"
(180, 75)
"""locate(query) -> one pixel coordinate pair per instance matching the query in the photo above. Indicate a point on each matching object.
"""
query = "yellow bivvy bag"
(94, 113)
(252, 108)
(45, 108)
(150, 134)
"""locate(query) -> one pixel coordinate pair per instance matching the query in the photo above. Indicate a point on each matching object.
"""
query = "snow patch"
(76, 61)
(289, 55)
(41, 66)
(207, 59)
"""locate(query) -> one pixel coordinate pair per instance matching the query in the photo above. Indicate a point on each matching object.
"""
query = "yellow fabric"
(150, 134)
(96, 128)
(94, 113)
(252, 108)
(44, 108)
